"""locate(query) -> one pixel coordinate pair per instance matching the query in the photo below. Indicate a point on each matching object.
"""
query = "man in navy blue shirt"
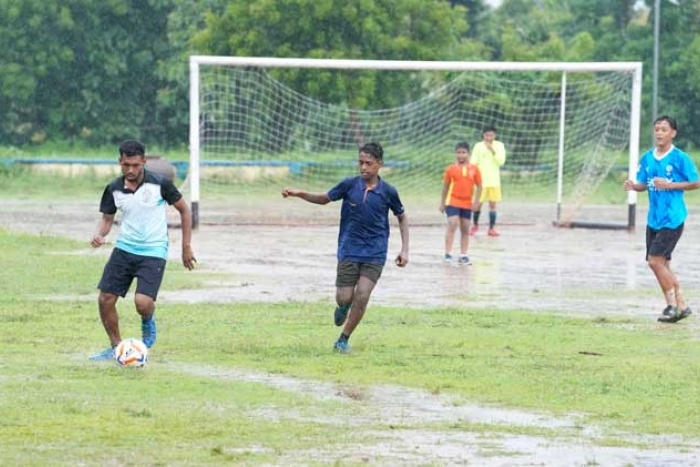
(363, 237)
(665, 172)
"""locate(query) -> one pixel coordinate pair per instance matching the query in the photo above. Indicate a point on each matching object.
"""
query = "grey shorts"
(349, 272)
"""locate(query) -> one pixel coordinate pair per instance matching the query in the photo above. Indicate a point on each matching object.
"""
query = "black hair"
(665, 118)
(373, 149)
(132, 148)
(463, 145)
(488, 128)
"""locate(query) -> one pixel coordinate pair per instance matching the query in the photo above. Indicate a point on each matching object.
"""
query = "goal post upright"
(635, 68)
(194, 142)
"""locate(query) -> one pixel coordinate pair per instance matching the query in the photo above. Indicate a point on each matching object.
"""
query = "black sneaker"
(677, 316)
(669, 311)
(340, 314)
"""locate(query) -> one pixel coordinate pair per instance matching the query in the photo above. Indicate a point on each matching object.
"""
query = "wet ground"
(531, 266)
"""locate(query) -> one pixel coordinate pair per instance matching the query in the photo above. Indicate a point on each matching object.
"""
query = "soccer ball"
(131, 352)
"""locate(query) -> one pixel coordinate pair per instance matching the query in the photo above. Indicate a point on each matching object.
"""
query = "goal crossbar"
(635, 68)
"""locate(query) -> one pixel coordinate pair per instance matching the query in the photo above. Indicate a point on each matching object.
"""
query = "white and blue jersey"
(363, 236)
(144, 224)
(667, 208)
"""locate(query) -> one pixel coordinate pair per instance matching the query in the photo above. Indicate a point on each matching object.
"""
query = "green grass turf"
(201, 400)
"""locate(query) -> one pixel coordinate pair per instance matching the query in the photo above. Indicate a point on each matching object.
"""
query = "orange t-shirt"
(461, 180)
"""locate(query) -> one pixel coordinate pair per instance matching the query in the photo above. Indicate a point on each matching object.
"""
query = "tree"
(79, 69)
(185, 19)
(378, 29)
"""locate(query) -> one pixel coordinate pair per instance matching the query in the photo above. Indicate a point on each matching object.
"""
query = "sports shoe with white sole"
(106, 354)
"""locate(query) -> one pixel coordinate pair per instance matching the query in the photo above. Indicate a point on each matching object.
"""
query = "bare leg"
(464, 232)
(343, 295)
(107, 304)
(145, 306)
(450, 233)
(363, 290)
(680, 299)
(667, 280)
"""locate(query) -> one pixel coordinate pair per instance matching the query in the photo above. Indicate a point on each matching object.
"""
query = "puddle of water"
(408, 443)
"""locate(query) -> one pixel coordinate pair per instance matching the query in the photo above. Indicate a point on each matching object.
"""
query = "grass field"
(256, 384)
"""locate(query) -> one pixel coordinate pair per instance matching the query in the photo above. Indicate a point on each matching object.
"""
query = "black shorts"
(349, 272)
(662, 242)
(122, 268)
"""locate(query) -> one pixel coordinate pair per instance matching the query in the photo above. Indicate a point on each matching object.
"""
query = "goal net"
(571, 132)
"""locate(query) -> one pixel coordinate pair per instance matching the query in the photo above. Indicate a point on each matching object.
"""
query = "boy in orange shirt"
(458, 197)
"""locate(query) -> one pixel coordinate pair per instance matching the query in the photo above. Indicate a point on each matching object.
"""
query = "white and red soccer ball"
(131, 352)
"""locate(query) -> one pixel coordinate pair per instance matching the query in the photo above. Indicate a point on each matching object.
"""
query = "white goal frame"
(197, 61)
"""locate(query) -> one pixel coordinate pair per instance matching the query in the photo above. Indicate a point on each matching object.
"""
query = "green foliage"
(79, 69)
(385, 29)
(99, 71)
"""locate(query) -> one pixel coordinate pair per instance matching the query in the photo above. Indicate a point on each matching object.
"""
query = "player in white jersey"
(141, 249)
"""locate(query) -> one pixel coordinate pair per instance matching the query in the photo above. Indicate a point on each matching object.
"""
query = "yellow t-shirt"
(489, 163)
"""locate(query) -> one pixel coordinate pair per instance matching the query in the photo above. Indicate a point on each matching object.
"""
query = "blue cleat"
(341, 313)
(148, 331)
(341, 346)
(106, 354)
(448, 257)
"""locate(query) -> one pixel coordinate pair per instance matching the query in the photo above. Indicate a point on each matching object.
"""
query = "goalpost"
(258, 122)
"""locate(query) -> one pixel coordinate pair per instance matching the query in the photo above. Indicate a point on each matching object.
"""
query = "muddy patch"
(410, 435)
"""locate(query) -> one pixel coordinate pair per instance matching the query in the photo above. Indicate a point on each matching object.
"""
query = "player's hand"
(289, 192)
(401, 260)
(442, 208)
(188, 259)
(97, 241)
(661, 183)
(628, 185)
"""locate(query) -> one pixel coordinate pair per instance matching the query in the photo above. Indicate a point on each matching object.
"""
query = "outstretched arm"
(315, 198)
(103, 228)
(188, 259)
(402, 258)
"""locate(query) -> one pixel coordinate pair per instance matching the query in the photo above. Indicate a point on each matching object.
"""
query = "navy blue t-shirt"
(363, 236)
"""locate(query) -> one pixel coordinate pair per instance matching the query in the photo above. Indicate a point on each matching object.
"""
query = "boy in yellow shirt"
(489, 155)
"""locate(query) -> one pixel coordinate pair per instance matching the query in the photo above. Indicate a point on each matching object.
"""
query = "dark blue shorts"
(463, 213)
(122, 268)
(662, 242)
